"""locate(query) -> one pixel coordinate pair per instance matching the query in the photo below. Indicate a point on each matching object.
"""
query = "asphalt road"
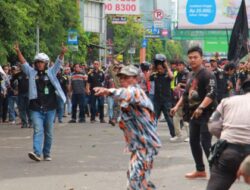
(90, 157)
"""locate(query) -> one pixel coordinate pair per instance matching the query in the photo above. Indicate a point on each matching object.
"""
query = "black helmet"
(145, 66)
(246, 85)
(160, 58)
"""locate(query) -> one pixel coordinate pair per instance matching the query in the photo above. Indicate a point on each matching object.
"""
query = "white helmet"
(42, 57)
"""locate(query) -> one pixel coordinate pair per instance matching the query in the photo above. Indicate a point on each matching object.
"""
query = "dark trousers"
(223, 172)
(200, 138)
(165, 108)
(23, 106)
(100, 102)
(4, 105)
(78, 99)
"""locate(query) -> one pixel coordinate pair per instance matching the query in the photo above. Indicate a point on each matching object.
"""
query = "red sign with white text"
(122, 7)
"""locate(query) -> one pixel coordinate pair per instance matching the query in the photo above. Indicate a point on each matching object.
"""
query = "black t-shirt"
(64, 81)
(1, 78)
(181, 77)
(200, 85)
(46, 96)
(221, 81)
(96, 79)
(162, 87)
(23, 82)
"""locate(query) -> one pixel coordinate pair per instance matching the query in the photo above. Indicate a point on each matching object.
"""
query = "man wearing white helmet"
(43, 90)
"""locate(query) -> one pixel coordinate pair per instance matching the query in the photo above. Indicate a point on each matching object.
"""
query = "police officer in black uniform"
(221, 81)
(96, 79)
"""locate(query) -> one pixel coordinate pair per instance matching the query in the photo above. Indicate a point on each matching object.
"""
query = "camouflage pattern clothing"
(138, 123)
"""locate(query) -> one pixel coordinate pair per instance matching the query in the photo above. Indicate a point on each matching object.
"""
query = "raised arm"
(56, 67)
(19, 53)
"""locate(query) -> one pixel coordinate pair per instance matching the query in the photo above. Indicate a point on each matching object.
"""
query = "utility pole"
(155, 4)
(37, 38)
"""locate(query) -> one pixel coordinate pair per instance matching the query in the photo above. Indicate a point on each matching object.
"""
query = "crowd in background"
(164, 85)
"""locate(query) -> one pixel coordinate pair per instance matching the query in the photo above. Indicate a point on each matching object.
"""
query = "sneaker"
(34, 157)
(72, 121)
(173, 139)
(102, 121)
(82, 121)
(12, 122)
(186, 139)
(92, 121)
(47, 158)
(24, 126)
(112, 122)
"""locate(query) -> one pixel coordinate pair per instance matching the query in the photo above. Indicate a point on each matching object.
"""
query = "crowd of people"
(187, 93)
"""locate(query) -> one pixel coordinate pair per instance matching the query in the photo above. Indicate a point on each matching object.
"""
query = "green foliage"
(174, 50)
(18, 22)
(154, 46)
(131, 35)
(126, 36)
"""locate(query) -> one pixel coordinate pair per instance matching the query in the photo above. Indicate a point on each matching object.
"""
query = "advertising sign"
(122, 7)
(119, 20)
(72, 40)
(72, 37)
(209, 14)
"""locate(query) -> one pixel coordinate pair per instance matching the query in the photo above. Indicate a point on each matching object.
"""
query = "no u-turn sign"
(158, 14)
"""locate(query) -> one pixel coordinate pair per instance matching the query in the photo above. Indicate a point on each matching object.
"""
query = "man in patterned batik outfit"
(138, 123)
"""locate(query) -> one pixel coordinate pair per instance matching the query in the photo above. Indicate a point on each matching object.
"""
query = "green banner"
(200, 34)
(211, 46)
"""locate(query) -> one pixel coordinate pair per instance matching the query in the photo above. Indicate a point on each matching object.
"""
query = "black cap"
(246, 84)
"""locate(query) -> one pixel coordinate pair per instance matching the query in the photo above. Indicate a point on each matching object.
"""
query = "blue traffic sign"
(155, 31)
(72, 37)
(144, 43)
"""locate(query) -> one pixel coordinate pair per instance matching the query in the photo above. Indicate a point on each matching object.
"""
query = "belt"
(240, 147)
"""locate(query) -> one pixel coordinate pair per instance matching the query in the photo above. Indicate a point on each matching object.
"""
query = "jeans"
(110, 107)
(223, 171)
(4, 108)
(78, 99)
(43, 124)
(60, 108)
(69, 105)
(23, 106)
(11, 107)
(165, 108)
(93, 100)
(199, 136)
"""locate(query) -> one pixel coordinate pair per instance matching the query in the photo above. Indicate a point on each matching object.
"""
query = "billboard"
(122, 7)
(92, 15)
(209, 14)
